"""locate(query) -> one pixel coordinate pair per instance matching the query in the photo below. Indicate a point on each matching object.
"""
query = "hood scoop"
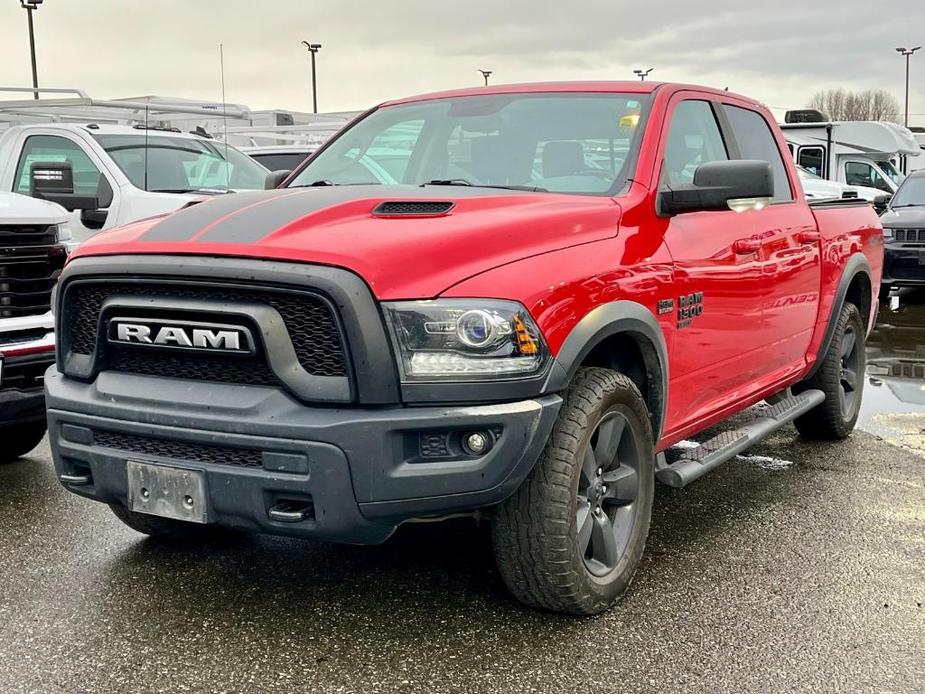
(413, 208)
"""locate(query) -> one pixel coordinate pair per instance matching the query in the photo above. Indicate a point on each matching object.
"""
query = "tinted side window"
(756, 141)
(51, 148)
(693, 139)
(812, 159)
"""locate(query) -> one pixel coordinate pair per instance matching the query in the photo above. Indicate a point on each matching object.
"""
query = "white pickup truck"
(122, 173)
(34, 236)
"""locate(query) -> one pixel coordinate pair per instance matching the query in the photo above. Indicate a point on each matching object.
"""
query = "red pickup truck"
(510, 302)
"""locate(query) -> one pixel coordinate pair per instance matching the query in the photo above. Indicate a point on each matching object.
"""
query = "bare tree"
(869, 104)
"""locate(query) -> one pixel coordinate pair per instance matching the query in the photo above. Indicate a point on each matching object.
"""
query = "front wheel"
(20, 439)
(841, 377)
(571, 537)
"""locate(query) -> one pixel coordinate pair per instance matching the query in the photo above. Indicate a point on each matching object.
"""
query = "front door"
(88, 179)
(717, 277)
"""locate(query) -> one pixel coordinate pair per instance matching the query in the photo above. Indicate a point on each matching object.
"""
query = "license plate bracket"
(168, 492)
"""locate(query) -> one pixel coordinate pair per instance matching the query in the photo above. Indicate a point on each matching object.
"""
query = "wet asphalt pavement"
(803, 571)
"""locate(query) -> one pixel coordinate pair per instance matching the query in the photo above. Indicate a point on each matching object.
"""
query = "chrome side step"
(679, 468)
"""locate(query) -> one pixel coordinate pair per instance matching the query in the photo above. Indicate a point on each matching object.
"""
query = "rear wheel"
(572, 536)
(841, 377)
(20, 439)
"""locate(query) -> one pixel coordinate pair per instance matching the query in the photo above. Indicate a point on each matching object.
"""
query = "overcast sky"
(378, 49)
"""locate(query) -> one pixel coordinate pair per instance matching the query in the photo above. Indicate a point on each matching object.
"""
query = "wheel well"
(633, 355)
(859, 294)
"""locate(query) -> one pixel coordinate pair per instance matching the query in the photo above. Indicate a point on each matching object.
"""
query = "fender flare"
(605, 321)
(856, 264)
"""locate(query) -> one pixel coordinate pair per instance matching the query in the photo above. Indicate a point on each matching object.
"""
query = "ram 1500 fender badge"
(689, 307)
(188, 335)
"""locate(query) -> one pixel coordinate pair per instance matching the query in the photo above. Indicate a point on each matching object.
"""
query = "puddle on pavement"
(894, 394)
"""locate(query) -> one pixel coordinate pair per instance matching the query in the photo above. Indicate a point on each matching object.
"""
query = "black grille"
(17, 235)
(191, 365)
(309, 320)
(909, 234)
(405, 208)
(180, 450)
(27, 276)
(26, 373)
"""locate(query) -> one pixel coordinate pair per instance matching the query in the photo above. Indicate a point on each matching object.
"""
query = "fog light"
(477, 443)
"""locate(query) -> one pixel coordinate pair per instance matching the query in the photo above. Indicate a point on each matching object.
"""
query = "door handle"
(808, 237)
(746, 246)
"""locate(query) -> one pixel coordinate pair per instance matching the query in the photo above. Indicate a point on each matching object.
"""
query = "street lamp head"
(313, 47)
(30, 4)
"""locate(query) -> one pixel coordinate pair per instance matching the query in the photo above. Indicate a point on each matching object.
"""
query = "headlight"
(465, 340)
(887, 233)
(65, 236)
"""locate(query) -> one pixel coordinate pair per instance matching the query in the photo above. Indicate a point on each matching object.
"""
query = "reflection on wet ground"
(894, 394)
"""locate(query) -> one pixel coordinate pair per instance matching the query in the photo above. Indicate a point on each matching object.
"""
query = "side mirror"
(54, 181)
(720, 185)
(881, 203)
(275, 178)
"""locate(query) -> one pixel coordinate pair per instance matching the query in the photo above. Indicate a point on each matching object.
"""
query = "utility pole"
(313, 48)
(30, 6)
(485, 74)
(642, 74)
(908, 53)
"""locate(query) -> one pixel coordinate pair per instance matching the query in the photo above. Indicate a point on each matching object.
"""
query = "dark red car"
(509, 302)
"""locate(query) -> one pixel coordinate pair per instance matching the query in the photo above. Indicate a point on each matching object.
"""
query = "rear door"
(789, 253)
(717, 276)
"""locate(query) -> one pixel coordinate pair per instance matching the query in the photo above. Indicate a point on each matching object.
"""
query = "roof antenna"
(221, 56)
(146, 147)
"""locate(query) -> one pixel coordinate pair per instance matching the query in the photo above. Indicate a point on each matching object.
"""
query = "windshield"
(181, 164)
(911, 192)
(891, 171)
(565, 143)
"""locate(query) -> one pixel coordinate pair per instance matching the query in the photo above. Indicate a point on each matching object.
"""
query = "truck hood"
(904, 218)
(416, 250)
(21, 209)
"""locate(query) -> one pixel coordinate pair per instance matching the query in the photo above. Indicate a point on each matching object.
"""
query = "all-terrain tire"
(16, 441)
(535, 533)
(168, 528)
(841, 377)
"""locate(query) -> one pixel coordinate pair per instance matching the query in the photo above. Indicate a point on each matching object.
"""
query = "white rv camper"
(855, 153)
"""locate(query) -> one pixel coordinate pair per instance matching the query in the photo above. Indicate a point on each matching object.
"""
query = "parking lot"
(784, 571)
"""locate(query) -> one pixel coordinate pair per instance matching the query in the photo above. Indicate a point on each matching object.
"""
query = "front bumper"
(361, 469)
(903, 264)
(26, 351)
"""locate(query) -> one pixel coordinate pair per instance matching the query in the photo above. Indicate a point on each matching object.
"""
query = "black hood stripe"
(250, 216)
(257, 221)
(186, 223)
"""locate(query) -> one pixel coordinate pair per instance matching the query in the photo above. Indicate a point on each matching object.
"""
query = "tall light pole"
(486, 74)
(908, 53)
(30, 6)
(642, 74)
(313, 48)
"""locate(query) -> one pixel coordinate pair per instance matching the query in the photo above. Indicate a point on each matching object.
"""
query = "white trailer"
(855, 153)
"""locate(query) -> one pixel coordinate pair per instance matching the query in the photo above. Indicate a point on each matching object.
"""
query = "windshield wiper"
(908, 204)
(324, 182)
(464, 182)
(209, 191)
